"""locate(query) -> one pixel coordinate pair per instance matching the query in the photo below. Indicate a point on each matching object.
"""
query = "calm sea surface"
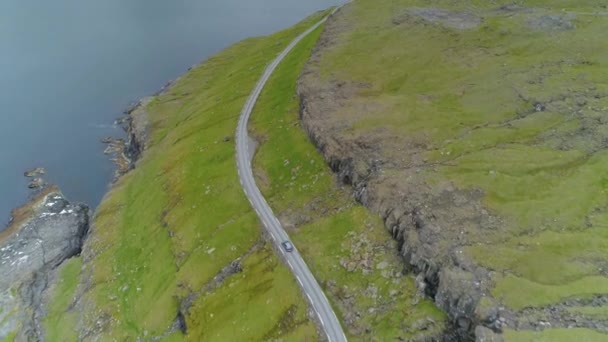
(69, 67)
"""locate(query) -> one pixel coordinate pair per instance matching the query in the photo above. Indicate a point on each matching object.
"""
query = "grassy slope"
(167, 228)
(469, 93)
(325, 222)
(555, 335)
(59, 322)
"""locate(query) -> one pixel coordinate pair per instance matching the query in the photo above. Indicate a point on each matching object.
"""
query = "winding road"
(308, 283)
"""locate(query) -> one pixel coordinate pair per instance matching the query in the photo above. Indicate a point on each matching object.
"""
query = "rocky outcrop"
(125, 153)
(43, 234)
(37, 172)
(36, 181)
(137, 129)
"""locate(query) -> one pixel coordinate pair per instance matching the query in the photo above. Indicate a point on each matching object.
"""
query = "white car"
(287, 246)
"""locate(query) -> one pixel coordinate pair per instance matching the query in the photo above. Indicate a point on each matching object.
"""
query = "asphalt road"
(307, 281)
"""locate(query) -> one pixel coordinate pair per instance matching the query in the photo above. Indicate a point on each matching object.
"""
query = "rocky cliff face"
(137, 130)
(125, 153)
(51, 231)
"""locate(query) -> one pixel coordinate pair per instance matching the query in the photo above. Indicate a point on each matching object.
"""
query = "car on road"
(288, 246)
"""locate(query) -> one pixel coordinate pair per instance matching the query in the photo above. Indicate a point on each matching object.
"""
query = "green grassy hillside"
(346, 247)
(501, 105)
(167, 233)
(167, 228)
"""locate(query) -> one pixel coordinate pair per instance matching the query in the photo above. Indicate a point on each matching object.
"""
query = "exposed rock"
(138, 130)
(39, 171)
(126, 153)
(382, 265)
(550, 23)
(53, 231)
(458, 20)
(483, 334)
(511, 8)
(36, 183)
(106, 140)
(131, 107)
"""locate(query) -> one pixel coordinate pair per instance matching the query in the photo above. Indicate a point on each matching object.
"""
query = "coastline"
(24, 212)
(48, 230)
(89, 277)
(43, 234)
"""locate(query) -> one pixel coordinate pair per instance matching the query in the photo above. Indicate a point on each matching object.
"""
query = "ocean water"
(68, 68)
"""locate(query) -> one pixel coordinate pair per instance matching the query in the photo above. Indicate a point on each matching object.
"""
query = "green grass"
(554, 335)
(263, 296)
(169, 226)
(509, 290)
(325, 222)
(6, 316)
(468, 98)
(60, 321)
(600, 312)
(10, 337)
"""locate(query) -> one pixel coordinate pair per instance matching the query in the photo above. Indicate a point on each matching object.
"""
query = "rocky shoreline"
(49, 230)
(125, 153)
(43, 233)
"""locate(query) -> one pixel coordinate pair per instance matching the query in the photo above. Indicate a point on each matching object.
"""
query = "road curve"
(308, 283)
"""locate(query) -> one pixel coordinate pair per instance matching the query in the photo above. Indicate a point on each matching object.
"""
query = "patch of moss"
(60, 321)
(10, 337)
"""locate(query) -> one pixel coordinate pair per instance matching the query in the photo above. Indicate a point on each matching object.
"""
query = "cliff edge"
(477, 131)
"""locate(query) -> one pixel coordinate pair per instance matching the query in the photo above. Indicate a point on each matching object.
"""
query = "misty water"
(68, 68)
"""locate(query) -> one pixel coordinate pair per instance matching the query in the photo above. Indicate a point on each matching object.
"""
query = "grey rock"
(550, 23)
(36, 183)
(458, 20)
(382, 265)
(8, 317)
(35, 172)
(483, 334)
(458, 294)
(54, 233)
